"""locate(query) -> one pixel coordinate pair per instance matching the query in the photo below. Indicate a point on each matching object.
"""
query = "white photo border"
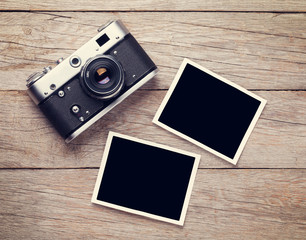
(153, 216)
(172, 88)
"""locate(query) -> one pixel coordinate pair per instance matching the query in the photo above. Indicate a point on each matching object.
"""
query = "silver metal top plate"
(63, 72)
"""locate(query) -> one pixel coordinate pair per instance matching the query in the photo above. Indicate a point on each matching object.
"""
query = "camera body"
(93, 80)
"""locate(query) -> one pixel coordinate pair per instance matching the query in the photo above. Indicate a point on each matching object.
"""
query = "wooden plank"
(157, 5)
(251, 204)
(27, 140)
(254, 50)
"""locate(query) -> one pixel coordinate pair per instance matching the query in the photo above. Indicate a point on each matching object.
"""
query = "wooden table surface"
(46, 185)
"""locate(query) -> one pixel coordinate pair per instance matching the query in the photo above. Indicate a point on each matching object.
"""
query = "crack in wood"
(281, 121)
(39, 47)
(241, 30)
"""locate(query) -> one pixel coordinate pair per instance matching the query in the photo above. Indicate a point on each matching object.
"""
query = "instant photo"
(209, 111)
(145, 178)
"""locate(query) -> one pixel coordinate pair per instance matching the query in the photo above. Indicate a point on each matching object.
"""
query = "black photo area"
(146, 178)
(209, 111)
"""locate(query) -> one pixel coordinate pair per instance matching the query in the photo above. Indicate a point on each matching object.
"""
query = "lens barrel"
(102, 77)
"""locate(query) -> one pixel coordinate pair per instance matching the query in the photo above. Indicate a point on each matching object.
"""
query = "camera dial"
(37, 75)
(102, 77)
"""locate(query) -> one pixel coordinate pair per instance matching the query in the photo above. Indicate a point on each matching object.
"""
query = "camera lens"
(102, 77)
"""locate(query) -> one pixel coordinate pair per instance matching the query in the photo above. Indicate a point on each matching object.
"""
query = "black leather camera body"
(93, 80)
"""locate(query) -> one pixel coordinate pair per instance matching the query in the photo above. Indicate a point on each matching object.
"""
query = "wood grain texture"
(46, 185)
(156, 5)
(225, 204)
(27, 140)
(256, 51)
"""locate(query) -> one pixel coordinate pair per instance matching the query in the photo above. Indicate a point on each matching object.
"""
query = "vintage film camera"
(93, 80)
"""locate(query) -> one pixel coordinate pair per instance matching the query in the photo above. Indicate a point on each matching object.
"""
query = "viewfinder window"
(102, 40)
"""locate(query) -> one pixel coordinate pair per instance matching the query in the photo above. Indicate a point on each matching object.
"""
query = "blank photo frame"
(209, 111)
(145, 178)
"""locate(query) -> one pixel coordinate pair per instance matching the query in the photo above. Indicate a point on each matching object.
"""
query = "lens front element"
(102, 77)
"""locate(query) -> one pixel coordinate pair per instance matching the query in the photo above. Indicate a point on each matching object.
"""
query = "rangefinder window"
(102, 40)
